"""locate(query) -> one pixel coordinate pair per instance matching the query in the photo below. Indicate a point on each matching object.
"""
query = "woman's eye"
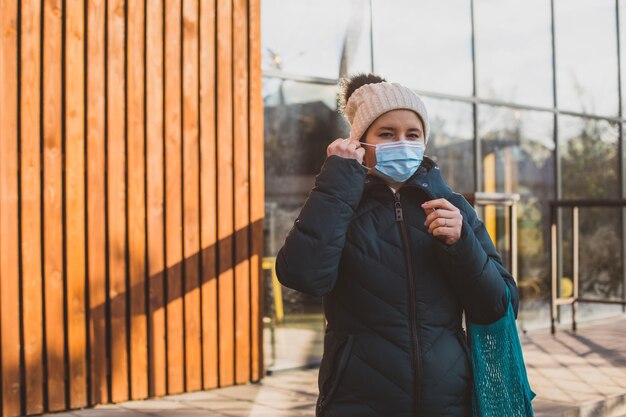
(386, 135)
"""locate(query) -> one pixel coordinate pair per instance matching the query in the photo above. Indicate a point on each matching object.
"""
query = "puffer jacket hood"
(393, 294)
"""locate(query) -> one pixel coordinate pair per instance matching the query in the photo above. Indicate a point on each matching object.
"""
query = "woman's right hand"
(346, 148)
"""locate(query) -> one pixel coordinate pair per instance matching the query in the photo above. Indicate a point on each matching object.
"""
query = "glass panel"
(300, 121)
(518, 157)
(323, 38)
(600, 255)
(590, 170)
(586, 52)
(514, 51)
(451, 142)
(589, 158)
(425, 45)
(600, 261)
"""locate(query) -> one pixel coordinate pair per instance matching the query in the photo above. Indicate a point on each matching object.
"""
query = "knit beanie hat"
(370, 101)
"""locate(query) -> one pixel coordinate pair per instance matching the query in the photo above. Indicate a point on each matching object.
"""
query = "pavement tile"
(107, 411)
(192, 396)
(262, 411)
(245, 392)
(65, 414)
(183, 413)
(221, 404)
(544, 408)
(153, 405)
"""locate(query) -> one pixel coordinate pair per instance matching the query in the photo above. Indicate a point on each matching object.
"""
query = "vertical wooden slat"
(173, 198)
(116, 198)
(191, 171)
(53, 204)
(225, 192)
(154, 149)
(201, 110)
(208, 172)
(9, 267)
(75, 203)
(257, 189)
(241, 192)
(30, 86)
(136, 202)
(96, 239)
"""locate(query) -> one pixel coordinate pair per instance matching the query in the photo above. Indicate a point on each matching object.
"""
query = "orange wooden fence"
(131, 199)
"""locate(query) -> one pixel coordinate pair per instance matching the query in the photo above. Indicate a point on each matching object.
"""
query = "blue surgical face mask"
(397, 161)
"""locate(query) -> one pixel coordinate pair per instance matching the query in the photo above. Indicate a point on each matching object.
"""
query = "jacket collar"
(426, 178)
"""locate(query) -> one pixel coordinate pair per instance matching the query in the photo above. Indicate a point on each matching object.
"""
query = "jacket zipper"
(413, 310)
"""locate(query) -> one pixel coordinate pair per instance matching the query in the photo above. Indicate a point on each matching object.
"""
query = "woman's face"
(392, 126)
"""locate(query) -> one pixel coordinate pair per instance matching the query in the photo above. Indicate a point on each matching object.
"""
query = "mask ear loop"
(366, 144)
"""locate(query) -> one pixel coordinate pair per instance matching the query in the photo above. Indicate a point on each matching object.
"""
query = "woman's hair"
(349, 85)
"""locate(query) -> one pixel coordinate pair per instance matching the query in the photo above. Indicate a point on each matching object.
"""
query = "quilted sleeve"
(309, 259)
(476, 270)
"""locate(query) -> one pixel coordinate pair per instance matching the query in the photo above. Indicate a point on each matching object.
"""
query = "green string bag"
(500, 387)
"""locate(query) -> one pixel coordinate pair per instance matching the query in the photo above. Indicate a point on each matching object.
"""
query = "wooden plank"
(155, 231)
(173, 198)
(9, 240)
(136, 203)
(208, 174)
(53, 204)
(96, 239)
(191, 190)
(32, 303)
(241, 192)
(225, 226)
(257, 189)
(116, 199)
(75, 204)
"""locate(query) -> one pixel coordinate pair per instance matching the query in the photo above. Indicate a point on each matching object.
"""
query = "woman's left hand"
(444, 220)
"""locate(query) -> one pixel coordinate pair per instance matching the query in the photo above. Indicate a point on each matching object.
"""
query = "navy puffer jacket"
(393, 294)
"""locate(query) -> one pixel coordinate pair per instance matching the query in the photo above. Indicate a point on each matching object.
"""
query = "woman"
(397, 257)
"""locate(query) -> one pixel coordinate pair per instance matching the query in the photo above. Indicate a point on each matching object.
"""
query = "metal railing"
(556, 299)
(508, 200)
(269, 264)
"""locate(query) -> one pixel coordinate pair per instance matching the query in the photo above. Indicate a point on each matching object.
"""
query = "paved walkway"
(574, 375)
(583, 372)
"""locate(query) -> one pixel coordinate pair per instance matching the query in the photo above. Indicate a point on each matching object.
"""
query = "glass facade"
(524, 97)
(586, 56)
(514, 51)
(425, 44)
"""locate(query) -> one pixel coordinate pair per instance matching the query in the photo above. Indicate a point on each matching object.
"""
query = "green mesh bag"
(500, 387)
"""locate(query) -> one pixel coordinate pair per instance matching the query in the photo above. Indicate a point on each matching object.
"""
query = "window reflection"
(451, 142)
(590, 170)
(300, 121)
(322, 38)
(586, 53)
(513, 51)
(589, 158)
(425, 45)
(600, 261)
(517, 157)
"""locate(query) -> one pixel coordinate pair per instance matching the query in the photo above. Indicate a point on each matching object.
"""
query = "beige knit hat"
(370, 101)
